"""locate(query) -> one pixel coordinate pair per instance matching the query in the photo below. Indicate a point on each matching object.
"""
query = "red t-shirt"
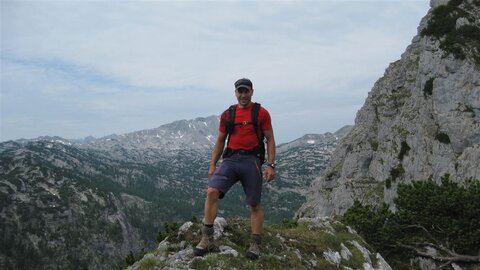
(244, 136)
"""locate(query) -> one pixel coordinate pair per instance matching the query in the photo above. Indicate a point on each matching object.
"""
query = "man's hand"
(269, 173)
(211, 170)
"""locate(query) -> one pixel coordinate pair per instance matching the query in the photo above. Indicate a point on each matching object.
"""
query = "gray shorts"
(243, 168)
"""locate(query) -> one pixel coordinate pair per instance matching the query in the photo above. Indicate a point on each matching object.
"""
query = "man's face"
(244, 96)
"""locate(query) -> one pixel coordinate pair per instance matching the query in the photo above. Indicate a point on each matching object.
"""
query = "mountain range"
(88, 203)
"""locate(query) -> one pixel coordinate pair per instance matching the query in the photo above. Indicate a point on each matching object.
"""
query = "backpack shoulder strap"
(260, 149)
(255, 112)
(230, 117)
(230, 122)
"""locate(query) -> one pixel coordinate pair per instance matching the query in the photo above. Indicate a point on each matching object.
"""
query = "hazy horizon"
(75, 69)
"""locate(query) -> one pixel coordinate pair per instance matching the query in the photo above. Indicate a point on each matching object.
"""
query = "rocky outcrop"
(420, 121)
(319, 243)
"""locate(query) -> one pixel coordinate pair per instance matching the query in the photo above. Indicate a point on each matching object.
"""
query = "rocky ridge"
(319, 243)
(147, 146)
(420, 121)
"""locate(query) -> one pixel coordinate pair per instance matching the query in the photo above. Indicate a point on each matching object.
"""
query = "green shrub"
(462, 42)
(388, 183)
(396, 172)
(428, 88)
(148, 263)
(369, 221)
(404, 148)
(374, 145)
(130, 259)
(451, 209)
(169, 229)
(443, 21)
(455, 3)
(289, 223)
(445, 215)
(442, 137)
(194, 219)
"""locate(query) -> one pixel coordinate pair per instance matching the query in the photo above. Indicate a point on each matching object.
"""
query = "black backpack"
(259, 151)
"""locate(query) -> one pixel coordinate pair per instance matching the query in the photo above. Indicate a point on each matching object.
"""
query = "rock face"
(319, 243)
(420, 121)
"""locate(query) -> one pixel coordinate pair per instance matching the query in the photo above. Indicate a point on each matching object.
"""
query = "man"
(240, 162)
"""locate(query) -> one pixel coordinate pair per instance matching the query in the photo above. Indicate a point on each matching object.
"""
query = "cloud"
(112, 67)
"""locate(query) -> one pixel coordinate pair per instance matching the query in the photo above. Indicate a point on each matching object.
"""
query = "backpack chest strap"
(244, 123)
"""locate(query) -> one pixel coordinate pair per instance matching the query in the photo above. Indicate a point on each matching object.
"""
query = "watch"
(271, 165)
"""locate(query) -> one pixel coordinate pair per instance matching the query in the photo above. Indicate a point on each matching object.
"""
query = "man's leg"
(210, 211)
(211, 205)
(256, 219)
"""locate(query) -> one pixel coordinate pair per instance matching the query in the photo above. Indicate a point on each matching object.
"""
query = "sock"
(207, 229)
(256, 238)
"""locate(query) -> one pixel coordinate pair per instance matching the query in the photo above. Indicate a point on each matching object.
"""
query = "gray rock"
(436, 3)
(382, 264)
(226, 250)
(184, 228)
(345, 253)
(461, 22)
(420, 121)
(332, 257)
(219, 226)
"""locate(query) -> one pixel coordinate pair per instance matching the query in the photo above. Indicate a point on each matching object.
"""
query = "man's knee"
(256, 208)
(212, 193)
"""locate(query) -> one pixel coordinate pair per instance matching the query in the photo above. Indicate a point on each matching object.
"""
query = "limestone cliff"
(420, 121)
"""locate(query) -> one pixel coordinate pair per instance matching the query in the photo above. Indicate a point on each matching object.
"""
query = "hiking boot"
(206, 244)
(254, 251)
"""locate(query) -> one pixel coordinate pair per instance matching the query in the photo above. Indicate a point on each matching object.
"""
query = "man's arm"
(271, 151)
(217, 152)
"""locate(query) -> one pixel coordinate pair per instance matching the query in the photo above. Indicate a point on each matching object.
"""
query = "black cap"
(244, 83)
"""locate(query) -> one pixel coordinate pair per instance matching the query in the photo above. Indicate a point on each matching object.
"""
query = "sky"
(94, 68)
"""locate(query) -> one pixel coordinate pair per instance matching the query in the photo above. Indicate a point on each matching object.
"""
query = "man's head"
(244, 91)
(243, 83)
